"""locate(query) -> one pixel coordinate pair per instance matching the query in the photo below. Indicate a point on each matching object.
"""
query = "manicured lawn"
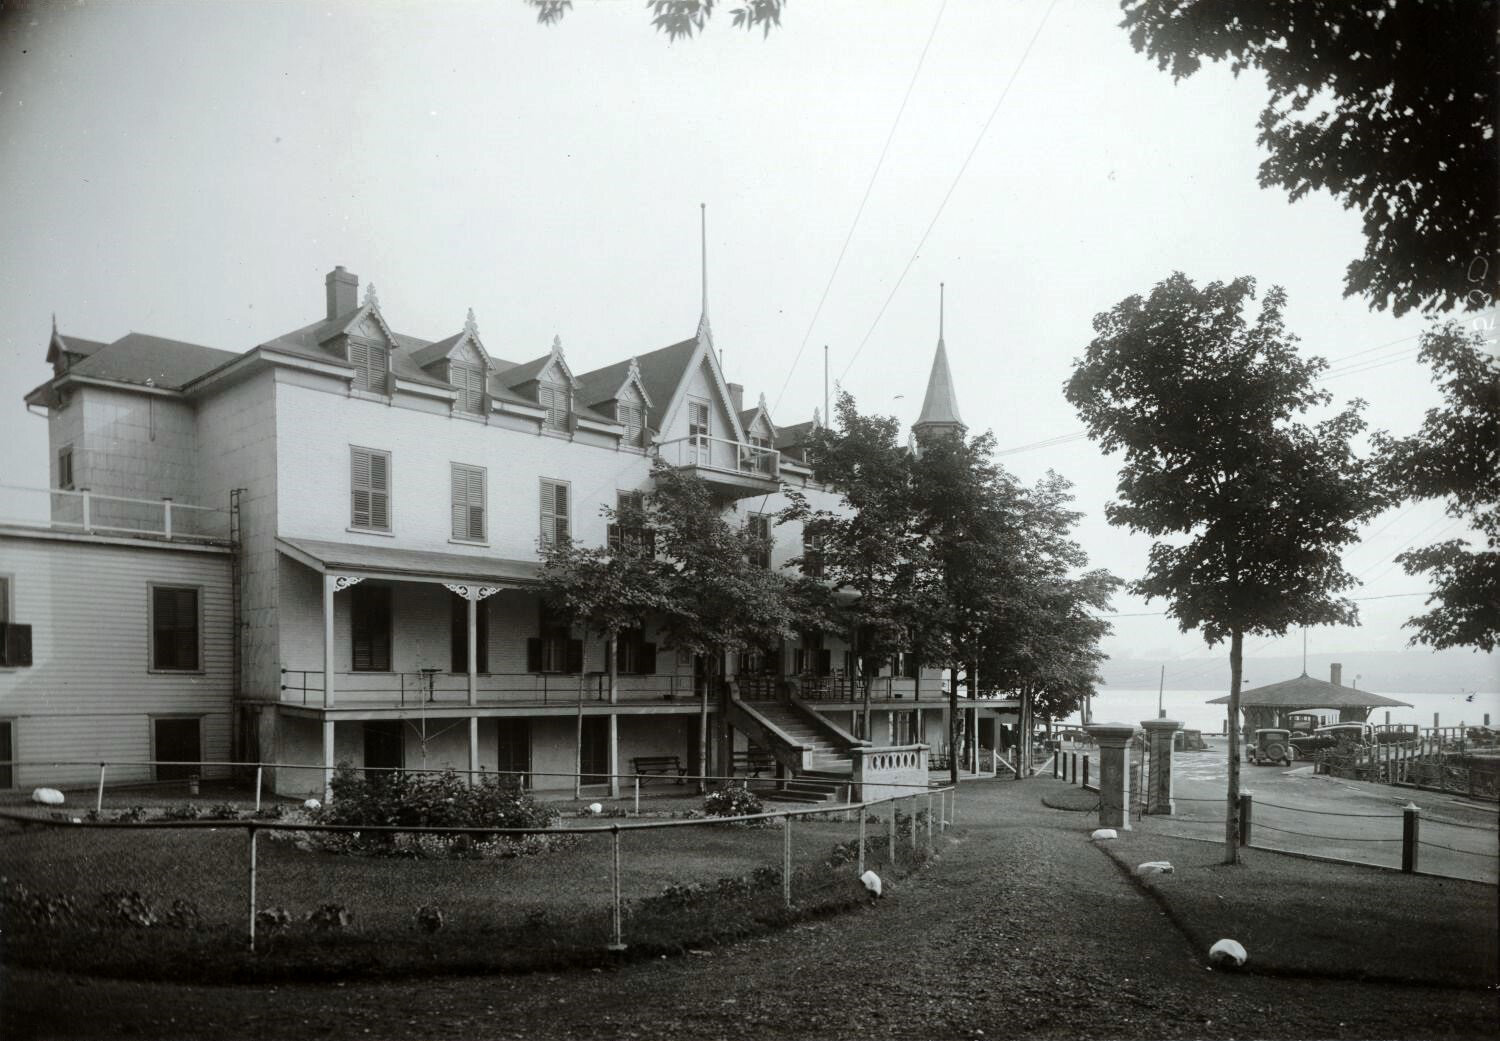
(1304, 917)
(545, 910)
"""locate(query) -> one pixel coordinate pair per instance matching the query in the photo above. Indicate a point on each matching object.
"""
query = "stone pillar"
(1113, 740)
(1159, 735)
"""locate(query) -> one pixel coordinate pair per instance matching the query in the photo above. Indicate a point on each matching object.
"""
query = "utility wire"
(949, 193)
(860, 211)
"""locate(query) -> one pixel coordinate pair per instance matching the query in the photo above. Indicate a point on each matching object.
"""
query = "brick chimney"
(343, 291)
(736, 396)
(1336, 674)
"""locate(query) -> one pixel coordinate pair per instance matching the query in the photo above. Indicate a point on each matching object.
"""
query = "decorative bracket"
(343, 582)
(469, 592)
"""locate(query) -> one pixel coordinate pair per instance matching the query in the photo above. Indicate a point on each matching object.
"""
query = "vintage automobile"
(1332, 735)
(1271, 745)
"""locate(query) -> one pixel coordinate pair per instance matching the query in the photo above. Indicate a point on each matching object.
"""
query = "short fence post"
(614, 877)
(1247, 804)
(1085, 771)
(637, 795)
(1054, 767)
(929, 821)
(914, 811)
(786, 861)
(1411, 830)
(953, 807)
(891, 832)
(99, 798)
(251, 829)
(260, 772)
(860, 864)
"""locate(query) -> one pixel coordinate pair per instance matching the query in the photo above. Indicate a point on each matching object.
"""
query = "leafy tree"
(605, 589)
(717, 602)
(1390, 107)
(1455, 455)
(969, 518)
(869, 551)
(681, 18)
(1250, 507)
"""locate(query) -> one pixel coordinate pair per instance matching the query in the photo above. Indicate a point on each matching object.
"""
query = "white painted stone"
(312, 804)
(1154, 867)
(47, 796)
(871, 882)
(1104, 833)
(596, 808)
(1227, 954)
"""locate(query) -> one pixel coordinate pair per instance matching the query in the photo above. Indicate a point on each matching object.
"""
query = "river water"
(1191, 709)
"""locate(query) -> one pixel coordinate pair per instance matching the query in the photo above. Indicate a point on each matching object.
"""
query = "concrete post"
(1159, 736)
(1113, 740)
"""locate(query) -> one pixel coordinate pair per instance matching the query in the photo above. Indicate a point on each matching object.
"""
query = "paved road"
(1295, 809)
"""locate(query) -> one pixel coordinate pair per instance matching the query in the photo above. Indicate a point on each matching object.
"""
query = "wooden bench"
(753, 761)
(666, 765)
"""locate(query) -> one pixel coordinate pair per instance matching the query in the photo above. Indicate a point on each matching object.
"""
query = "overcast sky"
(193, 169)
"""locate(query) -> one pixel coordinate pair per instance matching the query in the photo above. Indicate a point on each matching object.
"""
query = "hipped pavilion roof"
(1306, 692)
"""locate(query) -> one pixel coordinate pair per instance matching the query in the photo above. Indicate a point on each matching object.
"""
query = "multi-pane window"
(15, 638)
(65, 467)
(758, 526)
(812, 555)
(371, 366)
(174, 629)
(554, 649)
(468, 380)
(634, 654)
(633, 418)
(629, 530)
(370, 489)
(555, 527)
(555, 399)
(467, 499)
(459, 633)
(812, 658)
(370, 628)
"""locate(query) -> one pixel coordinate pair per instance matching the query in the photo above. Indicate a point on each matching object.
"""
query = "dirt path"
(1021, 929)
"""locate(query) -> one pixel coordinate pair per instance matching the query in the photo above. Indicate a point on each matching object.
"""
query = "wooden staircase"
(816, 760)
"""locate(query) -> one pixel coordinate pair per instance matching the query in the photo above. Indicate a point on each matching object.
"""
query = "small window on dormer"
(371, 366)
(554, 397)
(633, 418)
(468, 380)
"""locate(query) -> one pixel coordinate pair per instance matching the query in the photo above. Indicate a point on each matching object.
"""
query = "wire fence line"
(308, 893)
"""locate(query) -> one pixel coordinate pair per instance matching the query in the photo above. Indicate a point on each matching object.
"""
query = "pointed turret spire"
(704, 332)
(940, 406)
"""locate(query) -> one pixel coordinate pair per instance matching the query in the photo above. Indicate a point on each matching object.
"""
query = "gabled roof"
(608, 383)
(747, 418)
(425, 356)
(143, 359)
(1307, 692)
(796, 433)
(71, 345)
(308, 342)
(940, 406)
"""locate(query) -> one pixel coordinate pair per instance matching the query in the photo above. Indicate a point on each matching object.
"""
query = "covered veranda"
(1270, 705)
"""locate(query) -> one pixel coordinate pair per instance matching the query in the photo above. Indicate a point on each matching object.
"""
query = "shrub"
(130, 908)
(431, 801)
(272, 919)
(223, 811)
(183, 812)
(330, 916)
(733, 800)
(429, 918)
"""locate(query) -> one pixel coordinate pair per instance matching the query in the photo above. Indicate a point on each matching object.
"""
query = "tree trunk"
(614, 717)
(1232, 795)
(954, 751)
(726, 732)
(702, 681)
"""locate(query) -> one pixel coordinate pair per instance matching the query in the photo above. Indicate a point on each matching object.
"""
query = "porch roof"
(412, 565)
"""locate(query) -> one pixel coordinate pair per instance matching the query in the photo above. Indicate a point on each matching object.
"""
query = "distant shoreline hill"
(1403, 672)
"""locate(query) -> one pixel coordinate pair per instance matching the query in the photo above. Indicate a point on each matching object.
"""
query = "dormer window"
(468, 380)
(557, 401)
(371, 366)
(633, 418)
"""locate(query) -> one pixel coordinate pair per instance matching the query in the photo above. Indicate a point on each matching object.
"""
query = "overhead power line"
(954, 184)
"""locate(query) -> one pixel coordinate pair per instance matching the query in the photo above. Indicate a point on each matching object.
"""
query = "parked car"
(1271, 745)
(1332, 735)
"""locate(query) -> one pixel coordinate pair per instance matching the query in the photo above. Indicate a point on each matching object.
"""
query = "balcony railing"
(721, 456)
(451, 689)
(92, 513)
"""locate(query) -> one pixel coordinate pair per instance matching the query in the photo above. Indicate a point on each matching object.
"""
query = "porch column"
(1159, 733)
(471, 664)
(1113, 740)
(472, 593)
(473, 748)
(327, 759)
(328, 591)
(614, 755)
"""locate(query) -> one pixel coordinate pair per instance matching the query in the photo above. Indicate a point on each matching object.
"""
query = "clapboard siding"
(90, 693)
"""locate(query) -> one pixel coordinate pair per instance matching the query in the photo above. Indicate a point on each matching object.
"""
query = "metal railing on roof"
(93, 513)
